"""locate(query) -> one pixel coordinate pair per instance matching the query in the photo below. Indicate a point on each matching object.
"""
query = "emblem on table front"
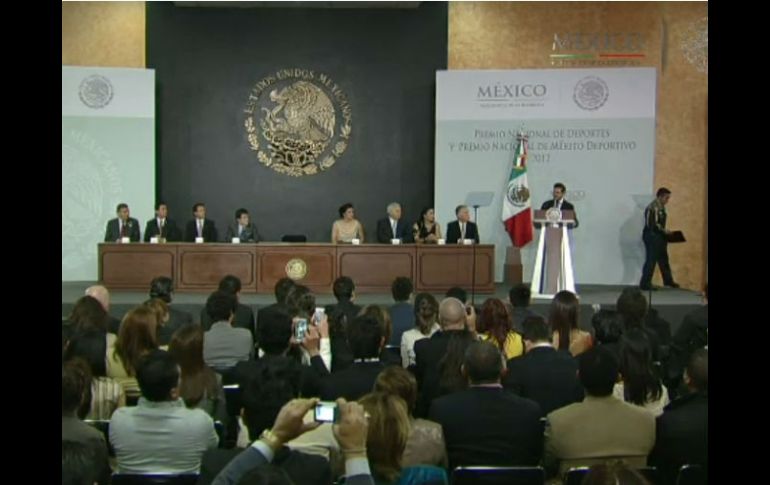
(296, 269)
(298, 121)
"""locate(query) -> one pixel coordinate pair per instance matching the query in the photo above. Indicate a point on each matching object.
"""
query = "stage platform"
(671, 304)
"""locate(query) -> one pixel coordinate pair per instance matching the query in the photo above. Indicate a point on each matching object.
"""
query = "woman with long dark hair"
(138, 336)
(498, 328)
(563, 318)
(426, 230)
(106, 393)
(641, 383)
(426, 324)
(200, 386)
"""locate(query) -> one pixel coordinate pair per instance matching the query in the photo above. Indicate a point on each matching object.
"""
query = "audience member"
(484, 425)
(383, 318)
(640, 384)
(563, 319)
(402, 312)
(520, 297)
(223, 345)
(163, 287)
(608, 329)
(601, 427)
(426, 324)
(244, 315)
(102, 294)
(543, 374)
(138, 336)
(495, 327)
(281, 291)
(160, 434)
(632, 306)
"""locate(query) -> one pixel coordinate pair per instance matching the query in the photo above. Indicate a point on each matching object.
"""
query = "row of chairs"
(473, 475)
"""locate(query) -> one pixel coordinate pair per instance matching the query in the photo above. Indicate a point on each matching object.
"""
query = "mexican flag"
(517, 209)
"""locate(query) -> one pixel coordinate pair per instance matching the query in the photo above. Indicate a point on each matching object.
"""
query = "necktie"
(200, 228)
(240, 232)
(462, 230)
(123, 231)
(394, 229)
(161, 226)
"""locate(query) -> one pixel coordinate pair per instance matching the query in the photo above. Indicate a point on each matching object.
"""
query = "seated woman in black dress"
(426, 230)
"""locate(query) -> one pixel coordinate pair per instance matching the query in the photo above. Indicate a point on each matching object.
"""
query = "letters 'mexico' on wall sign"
(298, 121)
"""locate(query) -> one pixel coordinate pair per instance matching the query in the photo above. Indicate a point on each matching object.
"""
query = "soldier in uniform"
(655, 243)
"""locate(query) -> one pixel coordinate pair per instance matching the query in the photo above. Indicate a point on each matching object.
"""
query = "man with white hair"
(102, 295)
(392, 227)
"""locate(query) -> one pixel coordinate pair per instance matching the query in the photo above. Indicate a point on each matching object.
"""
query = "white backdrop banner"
(107, 157)
(591, 129)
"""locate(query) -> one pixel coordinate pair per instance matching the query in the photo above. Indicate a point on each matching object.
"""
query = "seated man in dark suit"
(429, 352)
(340, 316)
(162, 287)
(243, 229)
(244, 316)
(402, 313)
(543, 374)
(682, 431)
(560, 203)
(484, 425)
(281, 291)
(366, 338)
(462, 228)
(161, 226)
(393, 227)
(199, 226)
(122, 226)
(520, 296)
(102, 295)
(263, 394)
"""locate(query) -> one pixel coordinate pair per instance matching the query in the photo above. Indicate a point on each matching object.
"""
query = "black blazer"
(428, 355)
(112, 234)
(565, 206)
(351, 383)
(681, 436)
(250, 233)
(177, 319)
(244, 318)
(300, 467)
(489, 426)
(209, 231)
(453, 232)
(170, 230)
(546, 376)
(385, 232)
(310, 375)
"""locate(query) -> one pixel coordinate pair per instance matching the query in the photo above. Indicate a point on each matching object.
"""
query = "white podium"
(553, 263)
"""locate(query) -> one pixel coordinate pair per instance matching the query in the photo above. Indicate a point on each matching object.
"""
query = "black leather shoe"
(672, 285)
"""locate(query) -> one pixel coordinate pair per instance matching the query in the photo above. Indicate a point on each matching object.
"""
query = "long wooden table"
(199, 267)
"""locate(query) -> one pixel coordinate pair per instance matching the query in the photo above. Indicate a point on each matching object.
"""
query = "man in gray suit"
(601, 427)
(122, 226)
(224, 345)
(243, 228)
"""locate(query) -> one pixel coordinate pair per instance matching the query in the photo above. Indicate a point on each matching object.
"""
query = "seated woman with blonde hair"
(347, 227)
(425, 445)
(386, 440)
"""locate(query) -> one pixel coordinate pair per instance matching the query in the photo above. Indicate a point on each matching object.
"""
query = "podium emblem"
(296, 269)
(553, 215)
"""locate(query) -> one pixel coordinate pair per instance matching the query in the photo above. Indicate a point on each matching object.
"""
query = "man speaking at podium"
(558, 201)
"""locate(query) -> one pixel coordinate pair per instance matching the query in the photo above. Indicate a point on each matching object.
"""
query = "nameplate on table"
(467, 242)
(441, 242)
(236, 240)
(125, 240)
(355, 241)
(395, 241)
(154, 240)
(198, 240)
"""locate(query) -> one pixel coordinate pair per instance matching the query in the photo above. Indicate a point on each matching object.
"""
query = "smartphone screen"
(300, 329)
(319, 314)
(326, 412)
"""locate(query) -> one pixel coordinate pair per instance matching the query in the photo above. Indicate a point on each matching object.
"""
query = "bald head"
(101, 294)
(451, 314)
